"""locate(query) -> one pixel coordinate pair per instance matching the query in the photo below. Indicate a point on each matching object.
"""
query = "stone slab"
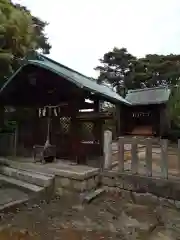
(89, 197)
(30, 177)
(9, 195)
(21, 184)
(74, 175)
(60, 168)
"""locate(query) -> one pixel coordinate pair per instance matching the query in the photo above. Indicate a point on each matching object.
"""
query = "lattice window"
(87, 131)
(65, 123)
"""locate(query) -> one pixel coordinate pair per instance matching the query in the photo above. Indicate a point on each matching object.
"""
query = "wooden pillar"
(164, 121)
(164, 158)
(55, 128)
(75, 129)
(15, 150)
(149, 157)
(37, 128)
(98, 127)
(121, 154)
(134, 156)
(1, 116)
(122, 112)
(118, 120)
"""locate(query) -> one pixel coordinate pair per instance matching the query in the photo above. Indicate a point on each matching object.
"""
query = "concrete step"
(11, 198)
(31, 177)
(21, 184)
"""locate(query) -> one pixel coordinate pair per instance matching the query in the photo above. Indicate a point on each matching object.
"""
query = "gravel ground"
(63, 218)
(107, 217)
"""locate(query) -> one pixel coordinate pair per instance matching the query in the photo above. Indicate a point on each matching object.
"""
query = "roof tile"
(147, 96)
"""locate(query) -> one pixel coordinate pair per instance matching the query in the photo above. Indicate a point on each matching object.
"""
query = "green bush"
(174, 135)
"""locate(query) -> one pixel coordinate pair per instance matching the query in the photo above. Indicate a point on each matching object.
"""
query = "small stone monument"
(107, 149)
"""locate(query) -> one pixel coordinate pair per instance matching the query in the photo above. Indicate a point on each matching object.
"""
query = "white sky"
(81, 31)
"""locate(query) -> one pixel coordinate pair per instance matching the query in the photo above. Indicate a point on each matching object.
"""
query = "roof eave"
(150, 103)
(31, 62)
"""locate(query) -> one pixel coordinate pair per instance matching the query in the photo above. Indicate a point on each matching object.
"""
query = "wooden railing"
(148, 145)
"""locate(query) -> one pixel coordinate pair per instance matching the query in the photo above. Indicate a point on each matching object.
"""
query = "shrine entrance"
(141, 121)
(148, 114)
(76, 138)
(66, 105)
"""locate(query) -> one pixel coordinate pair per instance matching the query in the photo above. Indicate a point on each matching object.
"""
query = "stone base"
(144, 198)
(144, 191)
(66, 185)
(164, 188)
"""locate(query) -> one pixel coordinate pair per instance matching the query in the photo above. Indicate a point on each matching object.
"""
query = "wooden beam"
(94, 115)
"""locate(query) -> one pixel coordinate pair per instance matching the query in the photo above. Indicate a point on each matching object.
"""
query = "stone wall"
(164, 188)
(65, 185)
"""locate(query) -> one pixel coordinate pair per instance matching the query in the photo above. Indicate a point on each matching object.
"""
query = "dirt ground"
(110, 216)
(63, 218)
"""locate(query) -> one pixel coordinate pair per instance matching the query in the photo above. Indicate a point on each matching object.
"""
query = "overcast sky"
(81, 31)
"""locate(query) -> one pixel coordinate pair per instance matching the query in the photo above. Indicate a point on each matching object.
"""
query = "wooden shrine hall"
(148, 113)
(60, 105)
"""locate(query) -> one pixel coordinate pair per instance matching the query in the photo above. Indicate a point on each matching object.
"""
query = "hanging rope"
(49, 111)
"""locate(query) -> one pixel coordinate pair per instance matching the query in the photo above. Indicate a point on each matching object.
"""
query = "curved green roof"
(146, 96)
(77, 78)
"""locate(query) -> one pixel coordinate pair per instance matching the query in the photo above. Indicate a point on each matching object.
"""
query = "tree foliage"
(116, 69)
(174, 106)
(124, 71)
(20, 33)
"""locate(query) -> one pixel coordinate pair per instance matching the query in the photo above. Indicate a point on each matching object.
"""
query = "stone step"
(12, 197)
(31, 177)
(21, 184)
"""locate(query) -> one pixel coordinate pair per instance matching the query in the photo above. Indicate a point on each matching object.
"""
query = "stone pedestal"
(107, 149)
